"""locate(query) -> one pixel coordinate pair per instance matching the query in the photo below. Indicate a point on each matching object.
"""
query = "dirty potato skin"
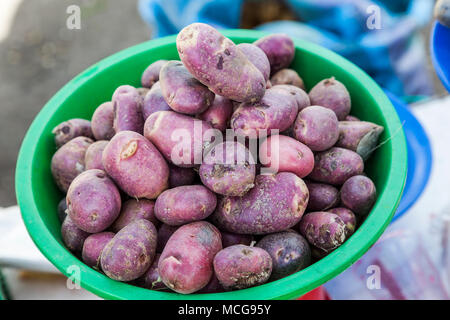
(336, 165)
(218, 63)
(68, 162)
(276, 203)
(102, 121)
(324, 230)
(359, 194)
(182, 92)
(348, 217)
(132, 210)
(136, 165)
(185, 204)
(151, 279)
(131, 252)
(239, 267)
(93, 247)
(93, 201)
(66, 131)
(228, 169)
(186, 264)
(290, 252)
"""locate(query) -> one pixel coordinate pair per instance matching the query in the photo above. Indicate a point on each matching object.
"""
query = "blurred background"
(39, 54)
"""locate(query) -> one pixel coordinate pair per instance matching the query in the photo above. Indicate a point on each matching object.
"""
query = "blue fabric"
(393, 55)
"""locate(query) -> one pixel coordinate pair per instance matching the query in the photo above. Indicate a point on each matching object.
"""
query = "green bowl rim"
(286, 288)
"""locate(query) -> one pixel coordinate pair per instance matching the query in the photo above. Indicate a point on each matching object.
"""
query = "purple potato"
(322, 196)
(331, 94)
(348, 217)
(127, 104)
(102, 122)
(93, 247)
(93, 156)
(279, 49)
(151, 279)
(218, 114)
(287, 76)
(66, 131)
(62, 207)
(164, 233)
(151, 74)
(133, 210)
(231, 239)
(256, 56)
(181, 176)
(358, 194)
(72, 236)
(154, 101)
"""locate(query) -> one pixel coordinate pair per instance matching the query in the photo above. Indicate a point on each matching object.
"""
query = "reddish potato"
(68, 161)
(218, 114)
(284, 154)
(256, 56)
(133, 210)
(239, 267)
(324, 230)
(317, 127)
(279, 49)
(154, 102)
(358, 194)
(66, 131)
(287, 76)
(231, 239)
(151, 74)
(72, 236)
(217, 63)
(322, 196)
(182, 92)
(228, 169)
(93, 247)
(102, 122)
(185, 204)
(331, 94)
(180, 138)
(186, 264)
(336, 165)
(289, 251)
(127, 104)
(348, 217)
(131, 252)
(359, 136)
(93, 156)
(276, 203)
(136, 165)
(93, 201)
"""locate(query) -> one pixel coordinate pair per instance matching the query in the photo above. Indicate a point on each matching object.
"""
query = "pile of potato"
(159, 202)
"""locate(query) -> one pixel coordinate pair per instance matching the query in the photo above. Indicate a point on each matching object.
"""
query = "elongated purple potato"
(182, 92)
(93, 247)
(131, 252)
(276, 203)
(151, 74)
(186, 264)
(136, 165)
(68, 161)
(133, 210)
(228, 169)
(300, 96)
(322, 196)
(348, 217)
(127, 104)
(181, 176)
(219, 113)
(154, 101)
(289, 251)
(317, 127)
(62, 207)
(67, 130)
(93, 156)
(358, 194)
(102, 121)
(336, 165)
(287, 76)
(279, 49)
(164, 233)
(240, 267)
(231, 239)
(359, 136)
(276, 110)
(217, 63)
(181, 139)
(93, 201)
(185, 204)
(151, 279)
(324, 230)
(256, 56)
(331, 94)
(73, 237)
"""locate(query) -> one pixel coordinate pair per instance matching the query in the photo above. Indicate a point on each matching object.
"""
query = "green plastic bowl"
(38, 196)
